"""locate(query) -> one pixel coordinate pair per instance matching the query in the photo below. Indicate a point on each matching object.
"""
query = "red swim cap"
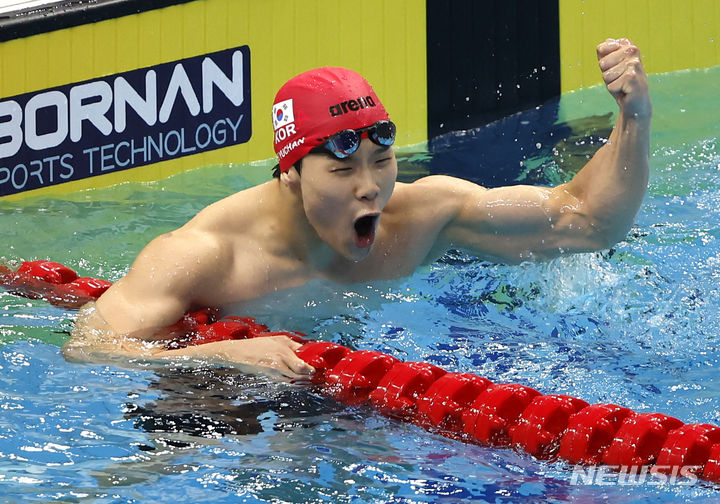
(317, 104)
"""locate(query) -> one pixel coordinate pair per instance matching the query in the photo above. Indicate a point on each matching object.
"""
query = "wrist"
(638, 112)
(635, 119)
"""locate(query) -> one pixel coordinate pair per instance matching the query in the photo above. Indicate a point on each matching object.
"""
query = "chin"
(357, 254)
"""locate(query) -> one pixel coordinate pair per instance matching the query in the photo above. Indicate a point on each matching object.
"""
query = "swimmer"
(334, 211)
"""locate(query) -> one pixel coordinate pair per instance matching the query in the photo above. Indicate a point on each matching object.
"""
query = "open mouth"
(365, 230)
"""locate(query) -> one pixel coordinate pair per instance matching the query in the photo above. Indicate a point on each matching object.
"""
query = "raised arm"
(594, 210)
(612, 185)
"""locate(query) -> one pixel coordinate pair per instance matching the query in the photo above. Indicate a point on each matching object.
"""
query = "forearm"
(93, 340)
(611, 187)
(216, 352)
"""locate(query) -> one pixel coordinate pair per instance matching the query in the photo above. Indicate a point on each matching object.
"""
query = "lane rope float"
(462, 406)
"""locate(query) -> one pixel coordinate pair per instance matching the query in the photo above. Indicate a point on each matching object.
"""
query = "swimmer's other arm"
(173, 274)
(94, 341)
(591, 212)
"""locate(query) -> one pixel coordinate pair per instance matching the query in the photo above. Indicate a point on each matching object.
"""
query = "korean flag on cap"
(283, 114)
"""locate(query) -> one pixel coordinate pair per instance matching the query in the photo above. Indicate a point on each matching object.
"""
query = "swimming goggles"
(344, 143)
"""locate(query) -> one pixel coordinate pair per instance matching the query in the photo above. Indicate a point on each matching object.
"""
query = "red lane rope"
(52, 282)
(457, 405)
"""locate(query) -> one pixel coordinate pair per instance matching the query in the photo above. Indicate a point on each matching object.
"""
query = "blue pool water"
(637, 326)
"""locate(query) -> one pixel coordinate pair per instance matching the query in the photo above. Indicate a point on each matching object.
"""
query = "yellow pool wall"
(672, 35)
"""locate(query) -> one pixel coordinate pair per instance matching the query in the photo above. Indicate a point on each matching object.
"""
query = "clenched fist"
(625, 77)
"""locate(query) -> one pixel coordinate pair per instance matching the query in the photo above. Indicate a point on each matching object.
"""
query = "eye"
(341, 169)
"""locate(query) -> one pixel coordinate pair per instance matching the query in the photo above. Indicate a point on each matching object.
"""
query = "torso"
(236, 250)
(405, 239)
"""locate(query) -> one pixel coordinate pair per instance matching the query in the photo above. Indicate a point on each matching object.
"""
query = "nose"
(367, 187)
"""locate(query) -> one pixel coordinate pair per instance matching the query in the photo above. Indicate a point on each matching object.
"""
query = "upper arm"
(161, 285)
(516, 223)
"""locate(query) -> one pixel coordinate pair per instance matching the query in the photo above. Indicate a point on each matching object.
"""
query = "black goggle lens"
(344, 143)
(383, 133)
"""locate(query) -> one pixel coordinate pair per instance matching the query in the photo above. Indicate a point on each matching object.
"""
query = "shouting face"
(343, 198)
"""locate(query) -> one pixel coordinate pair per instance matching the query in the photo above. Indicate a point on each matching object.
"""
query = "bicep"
(157, 290)
(517, 223)
(135, 306)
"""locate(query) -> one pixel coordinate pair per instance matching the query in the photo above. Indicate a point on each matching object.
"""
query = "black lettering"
(351, 106)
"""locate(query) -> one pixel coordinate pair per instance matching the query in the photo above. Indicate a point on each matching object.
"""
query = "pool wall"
(671, 35)
(439, 65)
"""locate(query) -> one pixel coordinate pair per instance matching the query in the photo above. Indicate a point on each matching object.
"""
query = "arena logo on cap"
(351, 106)
(125, 120)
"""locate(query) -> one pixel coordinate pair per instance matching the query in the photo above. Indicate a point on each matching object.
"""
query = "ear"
(291, 179)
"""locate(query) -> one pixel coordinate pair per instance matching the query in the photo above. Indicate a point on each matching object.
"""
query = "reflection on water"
(214, 402)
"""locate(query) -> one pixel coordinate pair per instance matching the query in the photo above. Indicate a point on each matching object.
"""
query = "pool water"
(636, 325)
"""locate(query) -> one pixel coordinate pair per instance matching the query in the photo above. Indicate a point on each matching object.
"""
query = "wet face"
(343, 199)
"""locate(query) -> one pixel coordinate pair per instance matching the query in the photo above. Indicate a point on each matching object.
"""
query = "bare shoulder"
(440, 194)
(199, 250)
(179, 258)
(437, 187)
(237, 211)
(190, 262)
(212, 233)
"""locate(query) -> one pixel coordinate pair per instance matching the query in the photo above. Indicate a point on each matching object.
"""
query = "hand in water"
(624, 76)
(277, 352)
